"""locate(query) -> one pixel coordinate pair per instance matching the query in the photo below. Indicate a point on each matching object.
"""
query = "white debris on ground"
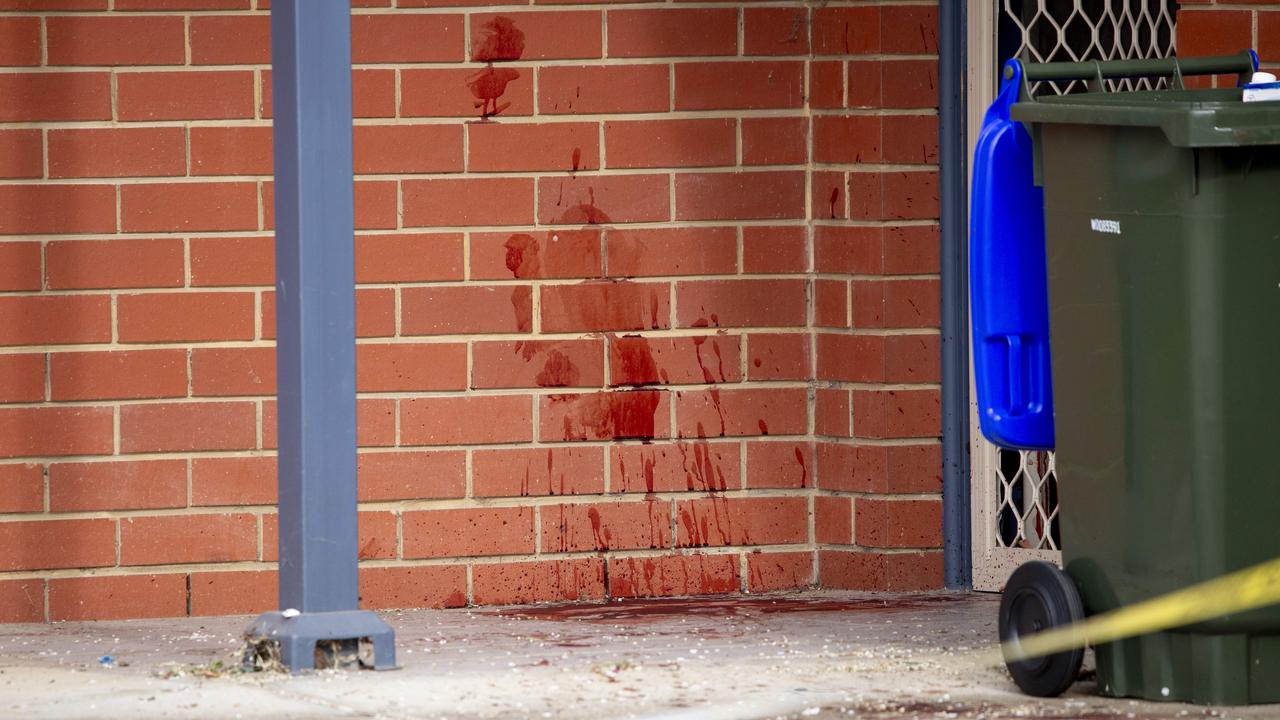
(815, 655)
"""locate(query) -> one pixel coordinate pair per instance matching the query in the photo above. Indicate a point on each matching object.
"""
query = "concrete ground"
(821, 654)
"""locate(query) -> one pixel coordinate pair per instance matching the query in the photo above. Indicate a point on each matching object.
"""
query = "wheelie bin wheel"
(1037, 597)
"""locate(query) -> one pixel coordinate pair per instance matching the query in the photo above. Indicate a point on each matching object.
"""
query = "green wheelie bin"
(1151, 364)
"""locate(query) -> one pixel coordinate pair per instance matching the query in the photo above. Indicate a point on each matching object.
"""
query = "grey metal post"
(315, 331)
(952, 155)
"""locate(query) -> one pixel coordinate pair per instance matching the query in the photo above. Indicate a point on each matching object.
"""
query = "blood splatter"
(618, 415)
(602, 539)
(835, 198)
(583, 213)
(502, 41)
(804, 472)
(634, 361)
(522, 304)
(558, 371)
(523, 255)
(577, 160)
(764, 428)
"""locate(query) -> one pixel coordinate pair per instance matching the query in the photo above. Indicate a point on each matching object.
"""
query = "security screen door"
(1015, 494)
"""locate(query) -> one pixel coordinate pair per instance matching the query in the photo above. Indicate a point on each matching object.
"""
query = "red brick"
(55, 97)
(155, 40)
(55, 320)
(233, 371)
(20, 43)
(576, 580)
(910, 139)
(671, 143)
(606, 526)
(610, 305)
(53, 544)
(754, 85)
(466, 310)
(373, 93)
(673, 32)
(189, 95)
(187, 316)
(846, 30)
(894, 196)
(470, 201)
(418, 257)
(740, 303)
(898, 523)
(775, 141)
(851, 358)
(466, 420)
(408, 148)
(635, 360)
(909, 29)
(170, 539)
(118, 597)
(113, 264)
(742, 521)
(740, 196)
(23, 485)
(831, 303)
(547, 35)
(896, 413)
(776, 31)
(375, 313)
(48, 5)
(833, 520)
(595, 89)
(523, 472)
(20, 266)
(897, 572)
(377, 536)
(223, 261)
(433, 586)
(178, 427)
(538, 363)
(652, 252)
(848, 250)
(637, 415)
(673, 575)
(22, 377)
(893, 84)
(37, 432)
(847, 139)
(172, 5)
(117, 152)
(117, 485)
(896, 303)
(720, 413)
(1269, 35)
(230, 40)
(22, 601)
(468, 532)
(117, 374)
(56, 209)
(1214, 31)
(242, 150)
(566, 147)
(771, 572)
(826, 85)
(187, 207)
(831, 413)
(881, 469)
(554, 254)
(412, 475)
(603, 199)
(446, 92)
(829, 190)
(234, 593)
(21, 152)
(233, 481)
(780, 464)
(375, 423)
(674, 467)
(401, 37)
(778, 356)
(390, 367)
(913, 359)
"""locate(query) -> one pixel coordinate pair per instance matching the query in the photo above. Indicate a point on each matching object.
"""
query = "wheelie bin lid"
(1188, 118)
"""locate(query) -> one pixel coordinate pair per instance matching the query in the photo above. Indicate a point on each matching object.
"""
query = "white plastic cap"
(1262, 77)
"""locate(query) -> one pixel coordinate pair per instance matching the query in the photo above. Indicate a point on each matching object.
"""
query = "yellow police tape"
(1239, 591)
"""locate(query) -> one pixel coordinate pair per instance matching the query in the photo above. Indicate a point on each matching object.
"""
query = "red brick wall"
(1224, 27)
(663, 324)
